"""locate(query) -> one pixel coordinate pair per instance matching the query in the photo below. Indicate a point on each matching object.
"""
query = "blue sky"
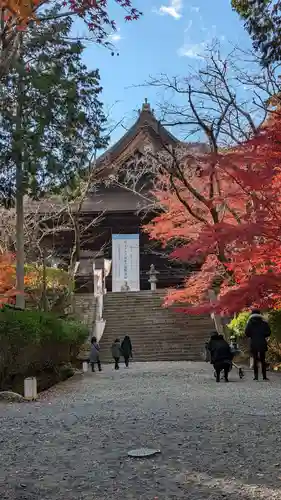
(167, 39)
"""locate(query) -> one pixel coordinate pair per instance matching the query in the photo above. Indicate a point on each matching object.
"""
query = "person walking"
(258, 331)
(116, 352)
(221, 355)
(126, 348)
(95, 354)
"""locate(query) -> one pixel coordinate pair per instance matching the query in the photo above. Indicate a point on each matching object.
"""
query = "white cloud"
(173, 9)
(192, 50)
(194, 47)
(115, 36)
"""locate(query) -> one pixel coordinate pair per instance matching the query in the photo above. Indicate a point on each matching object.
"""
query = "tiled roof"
(147, 122)
(120, 200)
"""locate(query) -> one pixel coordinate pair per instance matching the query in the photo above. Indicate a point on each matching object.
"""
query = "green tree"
(56, 99)
(263, 22)
(52, 119)
(16, 15)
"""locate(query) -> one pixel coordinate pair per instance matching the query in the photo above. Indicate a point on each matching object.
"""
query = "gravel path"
(218, 441)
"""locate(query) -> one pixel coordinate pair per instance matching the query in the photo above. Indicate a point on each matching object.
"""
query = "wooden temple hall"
(117, 246)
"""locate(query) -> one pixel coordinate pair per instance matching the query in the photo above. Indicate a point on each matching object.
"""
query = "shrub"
(32, 342)
(59, 287)
(274, 318)
(238, 324)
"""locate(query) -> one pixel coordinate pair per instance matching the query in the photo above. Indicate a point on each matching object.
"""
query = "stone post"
(152, 273)
(30, 388)
(85, 366)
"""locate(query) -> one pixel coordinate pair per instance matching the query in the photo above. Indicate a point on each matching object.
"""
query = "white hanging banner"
(125, 262)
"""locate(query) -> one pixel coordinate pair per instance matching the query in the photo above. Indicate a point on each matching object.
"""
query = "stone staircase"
(156, 333)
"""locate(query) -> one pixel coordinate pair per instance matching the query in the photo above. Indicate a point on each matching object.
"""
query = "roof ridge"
(145, 119)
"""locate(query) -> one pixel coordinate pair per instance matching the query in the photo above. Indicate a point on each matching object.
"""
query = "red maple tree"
(255, 244)
(228, 219)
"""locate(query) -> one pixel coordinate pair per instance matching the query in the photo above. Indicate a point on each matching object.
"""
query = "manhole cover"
(143, 452)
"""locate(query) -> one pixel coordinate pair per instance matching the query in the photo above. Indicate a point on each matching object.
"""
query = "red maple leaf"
(233, 229)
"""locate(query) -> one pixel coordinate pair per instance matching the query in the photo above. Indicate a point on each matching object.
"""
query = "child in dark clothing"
(116, 352)
(126, 348)
(221, 355)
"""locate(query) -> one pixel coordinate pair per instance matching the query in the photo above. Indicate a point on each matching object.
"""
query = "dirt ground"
(217, 441)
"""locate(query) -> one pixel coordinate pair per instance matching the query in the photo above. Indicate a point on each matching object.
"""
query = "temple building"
(116, 243)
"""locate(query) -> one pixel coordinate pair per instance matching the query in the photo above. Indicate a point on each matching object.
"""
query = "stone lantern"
(152, 273)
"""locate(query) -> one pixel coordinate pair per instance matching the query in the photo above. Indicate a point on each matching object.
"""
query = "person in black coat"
(258, 330)
(126, 348)
(221, 355)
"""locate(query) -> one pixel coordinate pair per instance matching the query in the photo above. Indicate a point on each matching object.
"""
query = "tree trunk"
(44, 298)
(76, 249)
(77, 238)
(20, 299)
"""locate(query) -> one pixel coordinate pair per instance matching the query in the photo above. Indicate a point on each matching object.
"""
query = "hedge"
(33, 342)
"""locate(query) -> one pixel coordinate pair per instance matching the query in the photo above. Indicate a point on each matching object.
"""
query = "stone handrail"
(99, 291)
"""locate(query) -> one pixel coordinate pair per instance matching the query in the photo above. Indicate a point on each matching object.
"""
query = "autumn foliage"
(57, 281)
(8, 289)
(7, 278)
(228, 218)
(255, 244)
(20, 10)
(93, 12)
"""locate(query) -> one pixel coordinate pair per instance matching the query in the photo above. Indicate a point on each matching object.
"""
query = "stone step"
(148, 354)
(145, 351)
(153, 325)
(159, 310)
(157, 333)
(158, 357)
(146, 360)
(152, 354)
(189, 355)
(140, 315)
(156, 340)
